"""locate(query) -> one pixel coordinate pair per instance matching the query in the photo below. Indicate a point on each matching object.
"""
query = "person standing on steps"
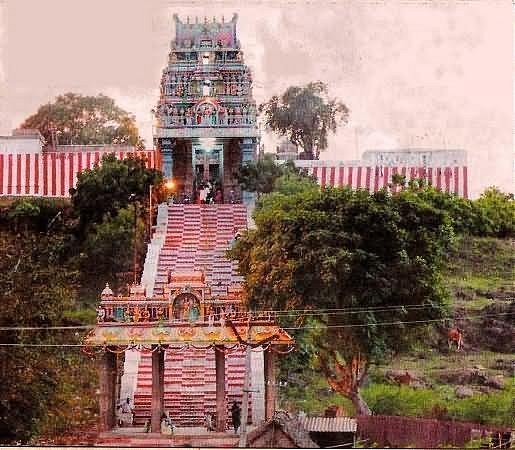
(236, 416)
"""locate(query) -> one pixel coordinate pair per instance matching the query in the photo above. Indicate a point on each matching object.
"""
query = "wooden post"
(221, 408)
(107, 378)
(270, 384)
(158, 371)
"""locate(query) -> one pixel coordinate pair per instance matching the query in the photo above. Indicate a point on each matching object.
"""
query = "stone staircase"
(193, 237)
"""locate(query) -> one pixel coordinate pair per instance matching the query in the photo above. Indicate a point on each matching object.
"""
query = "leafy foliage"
(108, 247)
(338, 248)
(85, 120)
(110, 187)
(305, 115)
(36, 290)
(261, 176)
(493, 214)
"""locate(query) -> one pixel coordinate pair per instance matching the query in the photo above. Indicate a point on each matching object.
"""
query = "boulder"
(463, 392)
(496, 382)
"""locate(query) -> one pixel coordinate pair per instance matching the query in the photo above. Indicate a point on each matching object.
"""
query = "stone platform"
(182, 437)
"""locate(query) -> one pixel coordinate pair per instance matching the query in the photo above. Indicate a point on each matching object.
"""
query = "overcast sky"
(432, 74)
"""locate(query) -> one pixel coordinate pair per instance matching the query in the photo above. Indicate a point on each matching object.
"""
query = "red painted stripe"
(456, 180)
(120, 155)
(97, 158)
(430, 176)
(36, 174)
(386, 176)
(53, 179)
(88, 160)
(71, 171)
(377, 174)
(413, 173)
(331, 176)
(439, 178)
(1, 174)
(79, 164)
(44, 175)
(358, 181)
(18, 174)
(63, 174)
(340, 176)
(27, 173)
(349, 176)
(9, 174)
(369, 170)
(447, 174)
(465, 183)
(322, 182)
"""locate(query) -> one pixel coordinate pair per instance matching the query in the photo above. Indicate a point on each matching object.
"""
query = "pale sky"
(432, 74)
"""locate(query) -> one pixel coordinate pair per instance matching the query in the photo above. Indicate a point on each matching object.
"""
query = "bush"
(494, 408)
(493, 214)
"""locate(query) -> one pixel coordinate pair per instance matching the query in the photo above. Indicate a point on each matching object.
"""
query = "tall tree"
(83, 120)
(367, 263)
(111, 186)
(305, 115)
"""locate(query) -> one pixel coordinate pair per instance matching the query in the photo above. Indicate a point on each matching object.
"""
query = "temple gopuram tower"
(206, 115)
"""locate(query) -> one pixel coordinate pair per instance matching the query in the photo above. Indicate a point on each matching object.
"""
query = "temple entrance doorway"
(208, 169)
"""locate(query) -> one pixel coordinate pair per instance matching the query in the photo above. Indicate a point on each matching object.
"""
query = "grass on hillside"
(477, 271)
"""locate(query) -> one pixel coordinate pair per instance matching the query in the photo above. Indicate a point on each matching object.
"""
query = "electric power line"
(363, 325)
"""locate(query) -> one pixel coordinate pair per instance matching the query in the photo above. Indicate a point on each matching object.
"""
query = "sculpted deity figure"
(101, 314)
(137, 314)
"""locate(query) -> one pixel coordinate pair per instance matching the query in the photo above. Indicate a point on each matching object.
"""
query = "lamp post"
(132, 197)
(150, 212)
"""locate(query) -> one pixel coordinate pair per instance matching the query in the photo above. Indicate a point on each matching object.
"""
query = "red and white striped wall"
(448, 179)
(52, 174)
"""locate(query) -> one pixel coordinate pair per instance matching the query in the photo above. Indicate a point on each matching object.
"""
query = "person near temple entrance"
(125, 411)
(219, 198)
(236, 416)
(209, 422)
(166, 424)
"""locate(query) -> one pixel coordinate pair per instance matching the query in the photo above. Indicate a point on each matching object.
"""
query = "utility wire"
(304, 327)
(89, 327)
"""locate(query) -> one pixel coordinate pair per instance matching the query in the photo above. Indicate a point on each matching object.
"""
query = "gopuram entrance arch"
(185, 315)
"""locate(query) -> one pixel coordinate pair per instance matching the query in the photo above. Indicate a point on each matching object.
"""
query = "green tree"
(379, 255)
(108, 248)
(84, 120)
(36, 291)
(112, 186)
(305, 115)
(260, 176)
(497, 213)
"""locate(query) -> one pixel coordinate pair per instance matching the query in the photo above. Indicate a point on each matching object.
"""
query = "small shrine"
(185, 315)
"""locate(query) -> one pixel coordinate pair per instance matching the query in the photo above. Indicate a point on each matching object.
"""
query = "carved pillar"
(107, 378)
(158, 371)
(248, 154)
(270, 384)
(221, 408)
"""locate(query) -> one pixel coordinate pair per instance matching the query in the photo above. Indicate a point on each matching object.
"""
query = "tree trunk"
(360, 404)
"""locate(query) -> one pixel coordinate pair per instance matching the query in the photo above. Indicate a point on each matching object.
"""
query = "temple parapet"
(187, 300)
